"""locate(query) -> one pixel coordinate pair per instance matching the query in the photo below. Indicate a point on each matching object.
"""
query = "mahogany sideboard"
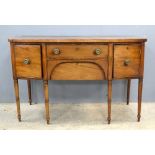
(77, 58)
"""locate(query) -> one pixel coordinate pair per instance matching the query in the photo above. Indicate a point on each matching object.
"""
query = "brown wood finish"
(110, 61)
(110, 65)
(142, 60)
(109, 100)
(77, 51)
(128, 91)
(77, 58)
(29, 91)
(13, 60)
(46, 101)
(44, 61)
(31, 53)
(77, 69)
(76, 39)
(140, 86)
(16, 86)
(130, 53)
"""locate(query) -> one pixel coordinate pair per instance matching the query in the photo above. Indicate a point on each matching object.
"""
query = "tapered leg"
(46, 101)
(140, 87)
(109, 100)
(16, 87)
(29, 91)
(128, 91)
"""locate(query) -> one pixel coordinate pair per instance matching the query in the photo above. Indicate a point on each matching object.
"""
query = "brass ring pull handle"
(97, 51)
(126, 62)
(56, 51)
(26, 61)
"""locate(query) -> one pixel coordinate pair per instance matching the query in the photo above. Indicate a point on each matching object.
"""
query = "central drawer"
(74, 51)
(77, 61)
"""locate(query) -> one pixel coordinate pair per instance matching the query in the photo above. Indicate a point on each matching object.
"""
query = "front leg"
(16, 87)
(29, 91)
(140, 87)
(128, 91)
(46, 101)
(109, 100)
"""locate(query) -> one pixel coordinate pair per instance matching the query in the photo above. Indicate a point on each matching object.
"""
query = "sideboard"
(77, 58)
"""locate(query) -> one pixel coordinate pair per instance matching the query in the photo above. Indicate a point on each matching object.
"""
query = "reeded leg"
(29, 91)
(128, 91)
(140, 87)
(16, 87)
(46, 101)
(109, 100)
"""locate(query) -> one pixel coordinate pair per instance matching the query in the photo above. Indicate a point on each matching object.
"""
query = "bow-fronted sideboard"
(77, 58)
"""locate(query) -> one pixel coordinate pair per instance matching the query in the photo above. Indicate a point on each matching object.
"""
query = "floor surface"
(86, 116)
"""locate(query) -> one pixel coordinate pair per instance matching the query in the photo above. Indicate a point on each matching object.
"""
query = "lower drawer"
(66, 70)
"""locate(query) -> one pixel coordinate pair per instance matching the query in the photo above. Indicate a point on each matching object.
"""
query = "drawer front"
(28, 61)
(77, 51)
(77, 70)
(127, 61)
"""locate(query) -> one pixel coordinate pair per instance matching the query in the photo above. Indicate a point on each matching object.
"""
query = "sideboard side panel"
(13, 60)
(142, 59)
(44, 60)
(110, 60)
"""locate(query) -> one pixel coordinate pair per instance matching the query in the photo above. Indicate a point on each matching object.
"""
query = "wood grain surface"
(75, 58)
(31, 52)
(77, 39)
(131, 53)
(83, 51)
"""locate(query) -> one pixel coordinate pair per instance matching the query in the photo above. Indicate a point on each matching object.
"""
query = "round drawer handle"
(56, 51)
(97, 51)
(126, 62)
(26, 61)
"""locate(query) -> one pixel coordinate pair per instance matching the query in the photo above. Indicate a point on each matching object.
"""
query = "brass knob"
(126, 62)
(97, 51)
(56, 51)
(26, 61)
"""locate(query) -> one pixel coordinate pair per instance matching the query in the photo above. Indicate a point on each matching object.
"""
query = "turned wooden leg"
(46, 101)
(140, 87)
(128, 91)
(29, 91)
(109, 100)
(16, 87)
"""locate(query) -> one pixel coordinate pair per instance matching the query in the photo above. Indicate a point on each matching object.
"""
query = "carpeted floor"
(86, 116)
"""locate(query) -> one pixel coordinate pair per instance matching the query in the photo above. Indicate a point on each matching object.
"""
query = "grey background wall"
(77, 91)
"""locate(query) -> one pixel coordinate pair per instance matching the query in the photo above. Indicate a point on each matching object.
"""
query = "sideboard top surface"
(75, 39)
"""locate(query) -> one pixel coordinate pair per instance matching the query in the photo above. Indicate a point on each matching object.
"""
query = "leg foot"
(48, 121)
(138, 118)
(19, 118)
(109, 120)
